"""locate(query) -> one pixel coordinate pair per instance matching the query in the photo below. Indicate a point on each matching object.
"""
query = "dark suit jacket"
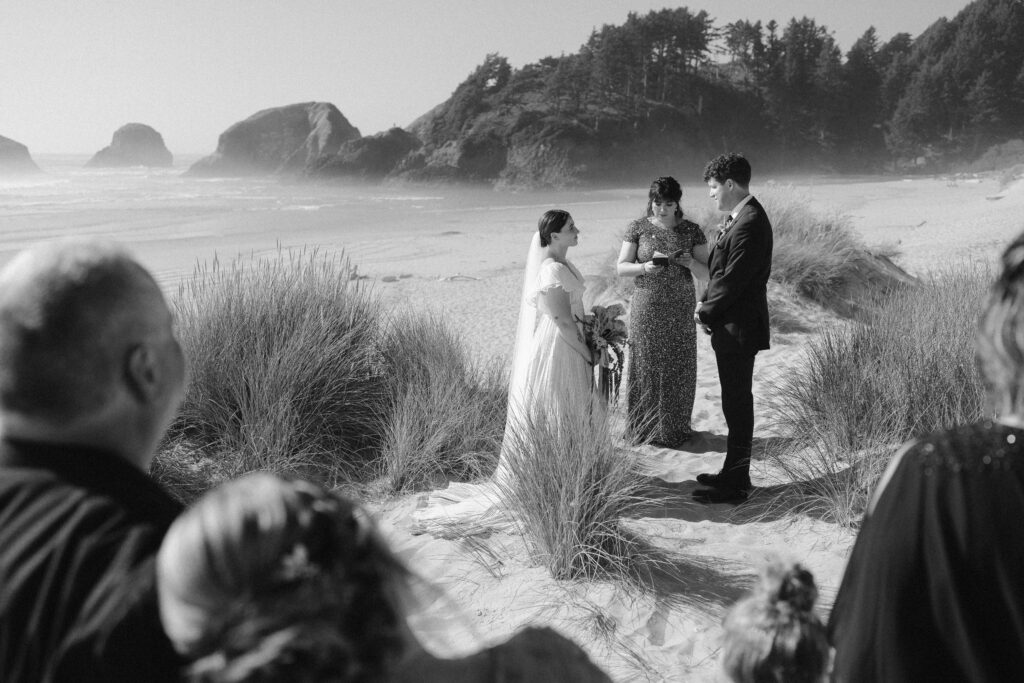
(79, 531)
(735, 305)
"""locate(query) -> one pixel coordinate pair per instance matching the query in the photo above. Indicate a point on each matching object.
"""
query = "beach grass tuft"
(903, 368)
(285, 367)
(296, 369)
(445, 413)
(570, 490)
(816, 255)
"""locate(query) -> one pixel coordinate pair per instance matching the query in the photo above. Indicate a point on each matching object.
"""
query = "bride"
(552, 370)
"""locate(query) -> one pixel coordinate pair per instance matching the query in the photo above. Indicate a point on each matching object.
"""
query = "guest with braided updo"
(266, 579)
(774, 635)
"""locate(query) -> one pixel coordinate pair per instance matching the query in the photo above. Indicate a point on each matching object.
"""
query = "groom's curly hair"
(1000, 342)
(730, 166)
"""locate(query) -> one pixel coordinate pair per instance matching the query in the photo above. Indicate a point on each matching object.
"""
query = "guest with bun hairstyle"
(933, 589)
(266, 579)
(774, 635)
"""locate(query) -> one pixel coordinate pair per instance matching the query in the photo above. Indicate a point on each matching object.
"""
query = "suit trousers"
(736, 376)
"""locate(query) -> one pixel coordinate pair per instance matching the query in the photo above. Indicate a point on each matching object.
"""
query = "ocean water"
(175, 223)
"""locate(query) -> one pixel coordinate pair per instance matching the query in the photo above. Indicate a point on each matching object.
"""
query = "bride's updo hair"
(272, 580)
(665, 189)
(774, 634)
(1000, 342)
(552, 221)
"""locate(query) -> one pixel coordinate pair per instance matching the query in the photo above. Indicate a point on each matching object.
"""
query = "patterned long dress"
(662, 369)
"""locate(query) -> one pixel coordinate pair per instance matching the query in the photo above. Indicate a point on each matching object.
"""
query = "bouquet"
(606, 335)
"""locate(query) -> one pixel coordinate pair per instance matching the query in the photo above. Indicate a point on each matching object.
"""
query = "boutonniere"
(723, 230)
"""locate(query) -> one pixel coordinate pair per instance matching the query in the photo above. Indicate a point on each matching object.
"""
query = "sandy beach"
(460, 255)
(930, 222)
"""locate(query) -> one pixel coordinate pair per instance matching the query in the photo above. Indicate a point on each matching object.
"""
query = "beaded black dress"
(662, 368)
(934, 588)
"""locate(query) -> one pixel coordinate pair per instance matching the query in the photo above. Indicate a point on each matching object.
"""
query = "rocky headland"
(647, 98)
(372, 158)
(280, 140)
(15, 158)
(133, 144)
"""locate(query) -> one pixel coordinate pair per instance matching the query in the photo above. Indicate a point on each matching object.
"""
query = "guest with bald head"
(91, 376)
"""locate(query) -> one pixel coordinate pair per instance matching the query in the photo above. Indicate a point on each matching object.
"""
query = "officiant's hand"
(650, 267)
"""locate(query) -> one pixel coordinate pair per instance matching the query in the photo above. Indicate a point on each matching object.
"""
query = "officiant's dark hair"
(730, 166)
(552, 221)
(665, 189)
(1000, 342)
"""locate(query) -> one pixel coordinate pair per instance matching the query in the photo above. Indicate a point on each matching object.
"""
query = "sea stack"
(15, 159)
(134, 144)
(278, 141)
(372, 157)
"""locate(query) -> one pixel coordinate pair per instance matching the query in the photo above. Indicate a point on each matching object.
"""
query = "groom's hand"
(697, 320)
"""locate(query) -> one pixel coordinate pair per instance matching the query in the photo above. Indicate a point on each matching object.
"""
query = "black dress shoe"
(709, 479)
(721, 481)
(721, 495)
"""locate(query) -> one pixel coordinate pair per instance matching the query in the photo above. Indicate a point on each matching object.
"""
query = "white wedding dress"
(549, 381)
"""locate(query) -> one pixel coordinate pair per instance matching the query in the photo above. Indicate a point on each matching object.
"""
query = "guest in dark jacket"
(734, 311)
(933, 589)
(90, 377)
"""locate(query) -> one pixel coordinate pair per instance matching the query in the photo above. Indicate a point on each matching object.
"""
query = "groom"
(734, 311)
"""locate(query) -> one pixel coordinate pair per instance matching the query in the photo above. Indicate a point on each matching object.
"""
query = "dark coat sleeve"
(119, 637)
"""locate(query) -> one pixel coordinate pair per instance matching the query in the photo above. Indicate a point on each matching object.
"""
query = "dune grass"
(569, 489)
(296, 369)
(816, 255)
(285, 366)
(903, 368)
(445, 413)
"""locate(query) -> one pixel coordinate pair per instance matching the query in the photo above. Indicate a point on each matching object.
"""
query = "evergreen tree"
(861, 140)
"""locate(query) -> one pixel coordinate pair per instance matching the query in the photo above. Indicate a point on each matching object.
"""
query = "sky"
(74, 71)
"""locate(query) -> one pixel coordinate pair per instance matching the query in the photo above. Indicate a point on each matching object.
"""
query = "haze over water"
(172, 222)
